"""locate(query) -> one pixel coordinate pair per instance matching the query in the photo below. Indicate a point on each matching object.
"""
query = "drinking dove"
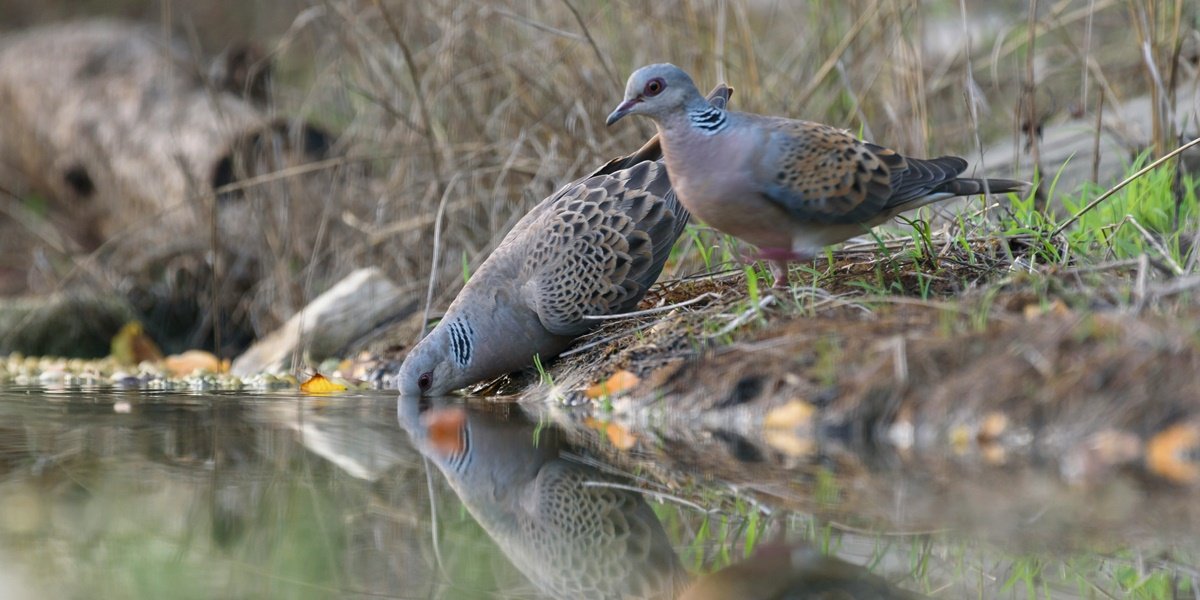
(789, 187)
(591, 249)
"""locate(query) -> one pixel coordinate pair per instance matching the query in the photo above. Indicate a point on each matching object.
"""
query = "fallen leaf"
(620, 437)
(620, 382)
(994, 454)
(617, 435)
(191, 361)
(993, 426)
(1056, 307)
(789, 443)
(960, 439)
(792, 415)
(132, 346)
(319, 384)
(1169, 453)
(445, 429)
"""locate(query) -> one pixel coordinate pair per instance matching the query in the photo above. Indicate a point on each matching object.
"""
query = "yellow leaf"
(620, 382)
(319, 384)
(192, 360)
(960, 438)
(792, 415)
(131, 345)
(789, 443)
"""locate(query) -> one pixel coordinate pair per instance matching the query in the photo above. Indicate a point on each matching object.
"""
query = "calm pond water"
(162, 495)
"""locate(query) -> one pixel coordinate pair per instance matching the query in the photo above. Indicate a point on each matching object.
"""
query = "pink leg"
(779, 270)
(779, 259)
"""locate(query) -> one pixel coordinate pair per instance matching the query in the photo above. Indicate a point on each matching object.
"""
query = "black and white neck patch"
(460, 459)
(461, 336)
(708, 120)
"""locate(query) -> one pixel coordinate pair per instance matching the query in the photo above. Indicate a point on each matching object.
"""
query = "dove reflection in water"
(571, 539)
(781, 571)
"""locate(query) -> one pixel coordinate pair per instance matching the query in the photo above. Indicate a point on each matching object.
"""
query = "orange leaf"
(319, 384)
(1168, 453)
(620, 382)
(192, 360)
(445, 428)
(620, 437)
(993, 426)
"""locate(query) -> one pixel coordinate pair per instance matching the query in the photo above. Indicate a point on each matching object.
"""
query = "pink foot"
(779, 270)
(779, 258)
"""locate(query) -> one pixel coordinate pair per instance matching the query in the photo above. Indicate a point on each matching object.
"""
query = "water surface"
(112, 494)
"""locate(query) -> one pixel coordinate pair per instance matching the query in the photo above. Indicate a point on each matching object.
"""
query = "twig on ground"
(651, 311)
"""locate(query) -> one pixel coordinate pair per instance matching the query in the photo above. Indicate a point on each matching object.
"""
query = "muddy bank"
(1065, 377)
(1039, 422)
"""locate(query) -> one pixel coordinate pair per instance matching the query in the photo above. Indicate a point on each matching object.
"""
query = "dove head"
(658, 91)
(438, 363)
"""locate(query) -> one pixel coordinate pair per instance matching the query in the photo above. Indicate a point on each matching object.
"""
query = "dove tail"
(972, 187)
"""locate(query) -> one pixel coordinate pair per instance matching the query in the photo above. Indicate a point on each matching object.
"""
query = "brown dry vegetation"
(477, 110)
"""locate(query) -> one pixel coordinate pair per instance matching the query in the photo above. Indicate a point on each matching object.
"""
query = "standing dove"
(591, 249)
(789, 187)
(554, 518)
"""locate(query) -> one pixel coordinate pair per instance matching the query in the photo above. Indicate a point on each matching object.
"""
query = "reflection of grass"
(939, 564)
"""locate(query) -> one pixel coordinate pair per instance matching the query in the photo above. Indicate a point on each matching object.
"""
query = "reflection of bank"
(794, 572)
(570, 534)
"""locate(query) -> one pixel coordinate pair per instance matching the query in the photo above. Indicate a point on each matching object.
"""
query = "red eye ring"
(654, 87)
(425, 380)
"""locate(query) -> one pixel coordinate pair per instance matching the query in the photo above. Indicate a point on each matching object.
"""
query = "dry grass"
(483, 126)
(463, 115)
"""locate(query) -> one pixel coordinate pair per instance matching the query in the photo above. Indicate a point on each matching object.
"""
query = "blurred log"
(109, 119)
(116, 137)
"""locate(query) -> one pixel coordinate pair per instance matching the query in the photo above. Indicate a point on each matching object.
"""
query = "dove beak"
(625, 108)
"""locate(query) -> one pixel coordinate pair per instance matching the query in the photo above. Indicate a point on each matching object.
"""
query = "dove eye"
(425, 380)
(654, 86)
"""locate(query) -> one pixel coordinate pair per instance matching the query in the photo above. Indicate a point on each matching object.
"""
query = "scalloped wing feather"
(821, 174)
(601, 243)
